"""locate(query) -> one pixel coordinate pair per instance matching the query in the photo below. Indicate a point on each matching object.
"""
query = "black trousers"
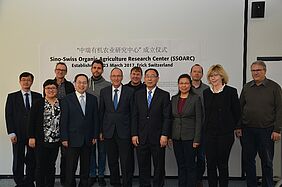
(119, 149)
(46, 165)
(218, 149)
(63, 164)
(23, 155)
(144, 154)
(72, 156)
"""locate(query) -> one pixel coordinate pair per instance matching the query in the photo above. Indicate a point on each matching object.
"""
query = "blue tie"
(116, 99)
(27, 105)
(149, 98)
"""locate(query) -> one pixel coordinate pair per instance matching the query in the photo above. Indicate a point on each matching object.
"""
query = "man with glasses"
(16, 113)
(151, 128)
(64, 88)
(116, 107)
(79, 130)
(261, 107)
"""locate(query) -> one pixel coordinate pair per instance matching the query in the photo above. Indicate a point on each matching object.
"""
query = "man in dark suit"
(65, 87)
(16, 112)
(79, 130)
(116, 106)
(151, 128)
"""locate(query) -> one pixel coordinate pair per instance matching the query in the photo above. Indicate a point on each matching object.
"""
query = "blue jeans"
(258, 141)
(185, 156)
(101, 160)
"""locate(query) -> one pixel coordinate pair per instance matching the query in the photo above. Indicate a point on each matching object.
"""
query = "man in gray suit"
(79, 130)
(116, 103)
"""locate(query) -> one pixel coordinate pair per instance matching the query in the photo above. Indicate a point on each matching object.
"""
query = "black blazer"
(35, 122)
(122, 118)
(188, 124)
(75, 127)
(16, 114)
(149, 124)
(230, 112)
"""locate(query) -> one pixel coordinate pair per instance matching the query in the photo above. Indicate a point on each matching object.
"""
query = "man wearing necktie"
(16, 112)
(79, 129)
(116, 105)
(150, 129)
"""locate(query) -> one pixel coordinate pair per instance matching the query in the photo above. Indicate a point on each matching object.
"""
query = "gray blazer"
(188, 125)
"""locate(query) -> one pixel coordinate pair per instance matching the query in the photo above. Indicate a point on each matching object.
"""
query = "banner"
(171, 58)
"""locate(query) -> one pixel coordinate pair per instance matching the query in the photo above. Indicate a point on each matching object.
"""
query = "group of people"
(94, 119)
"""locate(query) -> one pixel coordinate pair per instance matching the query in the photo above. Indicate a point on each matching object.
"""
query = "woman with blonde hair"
(222, 113)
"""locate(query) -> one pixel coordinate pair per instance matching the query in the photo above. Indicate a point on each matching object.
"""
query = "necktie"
(149, 98)
(27, 105)
(82, 103)
(116, 99)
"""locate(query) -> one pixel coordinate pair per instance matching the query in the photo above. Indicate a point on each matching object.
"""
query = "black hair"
(190, 80)
(26, 74)
(153, 69)
(47, 83)
(81, 74)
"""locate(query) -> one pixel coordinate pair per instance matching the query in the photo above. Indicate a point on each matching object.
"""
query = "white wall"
(25, 25)
(264, 39)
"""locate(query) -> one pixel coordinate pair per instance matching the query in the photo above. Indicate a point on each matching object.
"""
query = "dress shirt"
(220, 90)
(78, 96)
(118, 92)
(153, 91)
(29, 97)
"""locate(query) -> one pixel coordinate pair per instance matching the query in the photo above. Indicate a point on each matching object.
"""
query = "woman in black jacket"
(222, 113)
(43, 133)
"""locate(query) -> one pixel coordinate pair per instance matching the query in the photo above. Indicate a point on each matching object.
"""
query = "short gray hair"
(259, 62)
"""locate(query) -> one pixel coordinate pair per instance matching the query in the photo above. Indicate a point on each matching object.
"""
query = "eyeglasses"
(151, 76)
(184, 83)
(116, 76)
(214, 75)
(26, 80)
(84, 82)
(63, 70)
(50, 88)
(256, 70)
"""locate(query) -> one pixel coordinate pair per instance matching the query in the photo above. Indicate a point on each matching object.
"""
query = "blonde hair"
(217, 68)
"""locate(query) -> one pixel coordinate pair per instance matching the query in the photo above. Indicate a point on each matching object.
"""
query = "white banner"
(170, 58)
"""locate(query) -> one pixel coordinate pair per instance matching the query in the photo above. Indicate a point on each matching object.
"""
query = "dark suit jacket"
(17, 115)
(35, 122)
(229, 114)
(75, 127)
(188, 124)
(122, 118)
(149, 124)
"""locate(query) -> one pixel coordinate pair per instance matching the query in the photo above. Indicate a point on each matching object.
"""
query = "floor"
(168, 183)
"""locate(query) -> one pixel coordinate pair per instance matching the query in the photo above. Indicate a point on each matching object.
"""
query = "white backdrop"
(211, 29)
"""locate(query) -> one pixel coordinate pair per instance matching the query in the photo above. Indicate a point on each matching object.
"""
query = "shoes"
(91, 181)
(101, 181)
(62, 181)
(199, 184)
